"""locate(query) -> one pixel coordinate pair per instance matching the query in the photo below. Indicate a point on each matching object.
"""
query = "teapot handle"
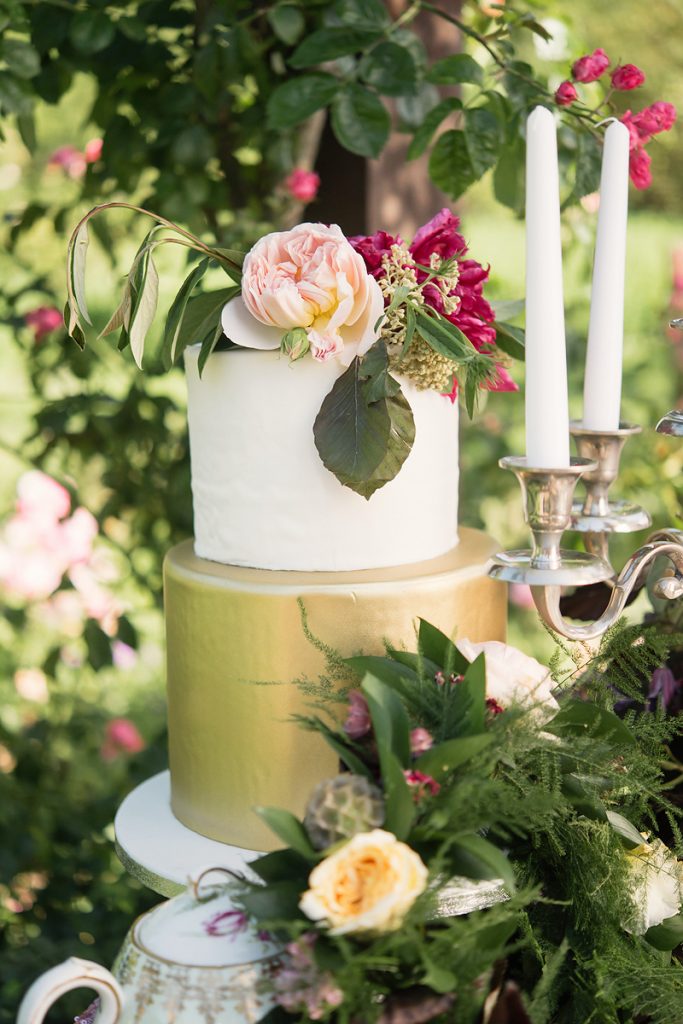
(73, 973)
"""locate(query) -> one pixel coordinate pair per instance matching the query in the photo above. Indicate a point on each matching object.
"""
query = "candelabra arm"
(666, 542)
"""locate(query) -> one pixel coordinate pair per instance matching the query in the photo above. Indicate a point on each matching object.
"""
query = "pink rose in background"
(590, 67)
(627, 77)
(121, 736)
(639, 168)
(43, 320)
(303, 185)
(565, 94)
(310, 277)
(70, 160)
(40, 497)
(93, 150)
(658, 117)
(420, 741)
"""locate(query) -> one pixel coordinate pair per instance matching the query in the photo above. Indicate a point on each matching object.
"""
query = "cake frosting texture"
(235, 642)
(263, 498)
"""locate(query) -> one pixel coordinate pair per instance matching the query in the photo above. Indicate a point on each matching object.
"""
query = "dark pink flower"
(590, 67)
(373, 248)
(121, 736)
(502, 381)
(70, 159)
(43, 320)
(626, 77)
(93, 150)
(421, 784)
(438, 236)
(635, 139)
(420, 741)
(664, 114)
(358, 722)
(658, 117)
(639, 168)
(493, 707)
(453, 393)
(303, 185)
(566, 94)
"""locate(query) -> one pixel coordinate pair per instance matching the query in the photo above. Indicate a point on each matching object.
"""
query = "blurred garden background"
(163, 104)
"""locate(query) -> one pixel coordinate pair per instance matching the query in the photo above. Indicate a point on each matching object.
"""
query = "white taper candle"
(602, 383)
(547, 414)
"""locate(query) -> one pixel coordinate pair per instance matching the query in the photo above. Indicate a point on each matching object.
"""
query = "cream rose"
(511, 675)
(368, 886)
(657, 885)
(310, 277)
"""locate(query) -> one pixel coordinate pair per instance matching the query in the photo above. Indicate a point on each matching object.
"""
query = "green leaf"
(441, 760)
(459, 67)
(26, 123)
(508, 309)
(400, 806)
(330, 43)
(387, 670)
(474, 686)
(628, 832)
(444, 337)
(295, 100)
(510, 339)
(509, 175)
(73, 326)
(364, 443)
(416, 662)
(22, 59)
(343, 751)
(15, 97)
(667, 935)
(588, 165)
(203, 315)
(278, 901)
(98, 645)
(582, 717)
(390, 68)
(440, 649)
(287, 22)
(431, 122)
(144, 308)
(207, 346)
(440, 979)
(389, 719)
(121, 315)
(450, 166)
(170, 349)
(91, 31)
(486, 860)
(281, 866)
(360, 121)
(483, 138)
(289, 829)
(582, 799)
(369, 14)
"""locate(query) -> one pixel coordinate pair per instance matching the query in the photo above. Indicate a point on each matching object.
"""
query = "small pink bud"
(93, 150)
(303, 185)
(627, 77)
(43, 320)
(420, 741)
(121, 737)
(565, 94)
(421, 784)
(639, 168)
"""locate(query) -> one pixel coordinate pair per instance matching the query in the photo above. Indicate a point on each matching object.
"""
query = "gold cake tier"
(235, 642)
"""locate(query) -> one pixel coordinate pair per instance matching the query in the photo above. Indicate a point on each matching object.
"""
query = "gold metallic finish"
(232, 744)
(150, 879)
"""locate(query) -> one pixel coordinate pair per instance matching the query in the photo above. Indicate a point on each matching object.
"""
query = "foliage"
(532, 796)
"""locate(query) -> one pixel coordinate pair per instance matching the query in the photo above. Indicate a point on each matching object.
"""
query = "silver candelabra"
(550, 509)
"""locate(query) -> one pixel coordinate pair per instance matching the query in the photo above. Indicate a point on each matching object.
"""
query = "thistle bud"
(295, 344)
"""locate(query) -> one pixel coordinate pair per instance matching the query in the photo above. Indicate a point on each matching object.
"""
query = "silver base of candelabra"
(597, 514)
(671, 424)
(572, 569)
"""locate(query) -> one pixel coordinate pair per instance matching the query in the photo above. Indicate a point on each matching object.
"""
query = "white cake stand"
(157, 849)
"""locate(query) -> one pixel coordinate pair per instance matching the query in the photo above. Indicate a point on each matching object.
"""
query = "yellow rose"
(367, 886)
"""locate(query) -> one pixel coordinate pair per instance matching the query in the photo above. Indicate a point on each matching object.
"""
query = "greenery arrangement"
(462, 769)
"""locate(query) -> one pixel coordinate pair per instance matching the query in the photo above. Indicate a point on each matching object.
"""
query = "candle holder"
(549, 511)
(547, 496)
(597, 516)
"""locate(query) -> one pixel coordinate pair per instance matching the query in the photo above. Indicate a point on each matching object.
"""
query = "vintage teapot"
(191, 960)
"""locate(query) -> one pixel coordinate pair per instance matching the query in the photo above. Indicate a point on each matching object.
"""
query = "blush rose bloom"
(512, 676)
(657, 878)
(309, 277)
(366, 887)
(590, 67)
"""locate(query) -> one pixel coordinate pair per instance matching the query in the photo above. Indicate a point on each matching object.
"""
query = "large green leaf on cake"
(365, 430)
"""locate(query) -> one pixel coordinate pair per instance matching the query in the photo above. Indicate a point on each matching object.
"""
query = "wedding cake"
(325, 504)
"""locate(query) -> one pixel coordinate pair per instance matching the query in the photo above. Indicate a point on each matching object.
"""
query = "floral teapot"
(191, 960)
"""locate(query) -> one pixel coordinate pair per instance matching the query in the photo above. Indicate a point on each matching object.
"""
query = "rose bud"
(626, 77)
(590, 67)
(295, 344)
(565, 94)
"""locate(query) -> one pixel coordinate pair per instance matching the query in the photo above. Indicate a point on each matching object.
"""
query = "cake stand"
(158, 850)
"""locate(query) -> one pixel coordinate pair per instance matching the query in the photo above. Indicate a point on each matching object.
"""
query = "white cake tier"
(263, 498)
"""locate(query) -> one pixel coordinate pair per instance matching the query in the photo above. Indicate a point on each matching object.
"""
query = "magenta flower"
(372, 248)
(627, 77)
(420, 742)
(639, 168)
(358, 722)
(590, 67)
(493, 707)
(226, 922)
(565, 94)
(421, 784)
(439, 236)
(121, 736)
(43, 320)
(303, 185)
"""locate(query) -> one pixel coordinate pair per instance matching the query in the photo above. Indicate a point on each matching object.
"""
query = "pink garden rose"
(39, 497)
(658, 117)
(639, 168)
(309, 277)
(565, 94)
(303, 185)
(43, 320)
(590, 67)
(626, 77)
(121, 737)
